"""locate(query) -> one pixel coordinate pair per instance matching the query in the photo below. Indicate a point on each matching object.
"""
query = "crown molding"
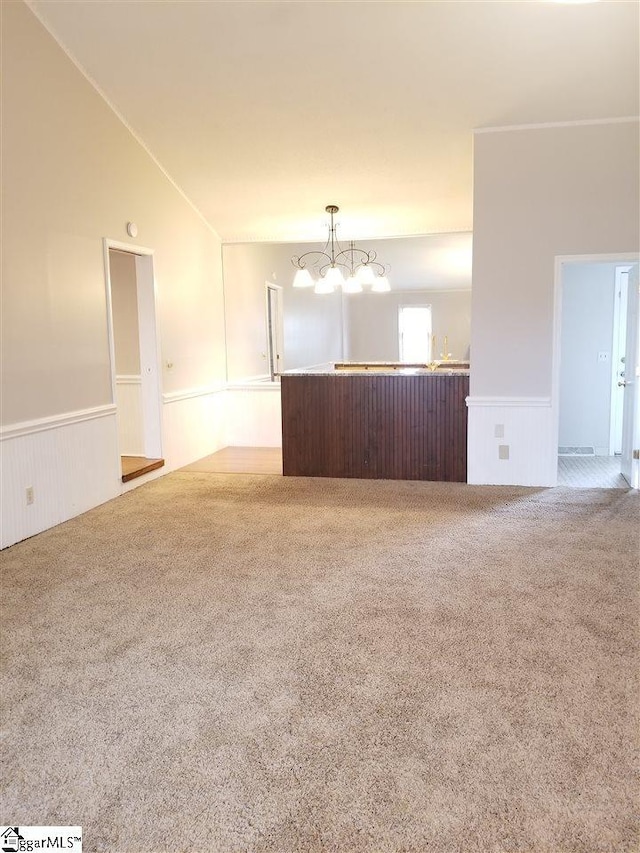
(551, 124)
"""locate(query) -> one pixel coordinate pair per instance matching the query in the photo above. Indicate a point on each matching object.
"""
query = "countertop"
(376, 368)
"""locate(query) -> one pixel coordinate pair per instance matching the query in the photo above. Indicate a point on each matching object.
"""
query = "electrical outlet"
(603, 356)
(499, 431)
(503, 451)
(30, 497)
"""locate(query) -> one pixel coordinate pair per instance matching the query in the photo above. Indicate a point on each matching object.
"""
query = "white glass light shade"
(366, 275)
(381, 285)
(323, 286)
(334, 275)
(302, 278)
(352, 285)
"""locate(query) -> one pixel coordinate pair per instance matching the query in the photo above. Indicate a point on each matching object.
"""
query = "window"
(414, 327)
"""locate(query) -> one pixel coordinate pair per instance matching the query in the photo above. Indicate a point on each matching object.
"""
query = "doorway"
(275, 330)
(135, 372)
(591, 349)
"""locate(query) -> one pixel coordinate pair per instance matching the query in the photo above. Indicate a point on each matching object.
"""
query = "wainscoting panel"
(70, 462)
(254, 415)
(130, 425)
(194, 425)
(527, 440)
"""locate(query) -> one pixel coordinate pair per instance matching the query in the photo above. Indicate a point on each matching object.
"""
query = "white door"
(630, 463)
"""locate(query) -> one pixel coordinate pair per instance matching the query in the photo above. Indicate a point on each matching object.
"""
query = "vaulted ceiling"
(264, 112)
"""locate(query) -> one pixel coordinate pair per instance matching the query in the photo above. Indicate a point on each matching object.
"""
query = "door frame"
(619, 334)
(150, 354)
(560, 261)
(630, 456)
(275, 360)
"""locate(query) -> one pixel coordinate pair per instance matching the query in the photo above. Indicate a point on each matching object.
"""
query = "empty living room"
(320, 426)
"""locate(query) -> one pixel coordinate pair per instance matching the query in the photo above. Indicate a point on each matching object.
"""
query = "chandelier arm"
(367, 259)
(382, 267)
(351, 253)
(299, 260)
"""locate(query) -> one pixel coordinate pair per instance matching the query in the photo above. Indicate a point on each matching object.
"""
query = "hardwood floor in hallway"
(239, 460)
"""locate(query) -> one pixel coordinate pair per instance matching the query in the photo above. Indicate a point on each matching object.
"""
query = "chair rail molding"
(189, 393)
(55, 421)
(128, 379)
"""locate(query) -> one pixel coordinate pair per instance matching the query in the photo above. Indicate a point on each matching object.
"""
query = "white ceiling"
(264, 112)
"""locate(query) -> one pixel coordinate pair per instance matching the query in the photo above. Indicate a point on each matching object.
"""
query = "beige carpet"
(250, 663)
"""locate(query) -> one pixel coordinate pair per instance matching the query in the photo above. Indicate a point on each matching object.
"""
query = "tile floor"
(594, 472)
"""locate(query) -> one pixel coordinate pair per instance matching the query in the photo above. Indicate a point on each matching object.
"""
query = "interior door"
(630, 463)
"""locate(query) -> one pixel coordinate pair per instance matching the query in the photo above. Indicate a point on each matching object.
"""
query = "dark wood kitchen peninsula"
(390, 422)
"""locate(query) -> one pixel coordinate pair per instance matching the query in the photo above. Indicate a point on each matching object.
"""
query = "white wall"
(538, 194)
(72, 175)
(587, 331)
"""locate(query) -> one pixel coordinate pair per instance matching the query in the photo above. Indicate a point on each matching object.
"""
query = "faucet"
(433, 364)
(445, 356)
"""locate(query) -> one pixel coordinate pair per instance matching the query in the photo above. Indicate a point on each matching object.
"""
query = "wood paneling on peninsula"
(393, 427)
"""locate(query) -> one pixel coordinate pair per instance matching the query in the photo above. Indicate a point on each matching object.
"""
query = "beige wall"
(372, 322)
(72, 175)
(537, 194)
(124, 306)
(312, 323)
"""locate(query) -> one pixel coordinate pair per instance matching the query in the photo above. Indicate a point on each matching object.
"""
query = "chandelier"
(337, 267)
